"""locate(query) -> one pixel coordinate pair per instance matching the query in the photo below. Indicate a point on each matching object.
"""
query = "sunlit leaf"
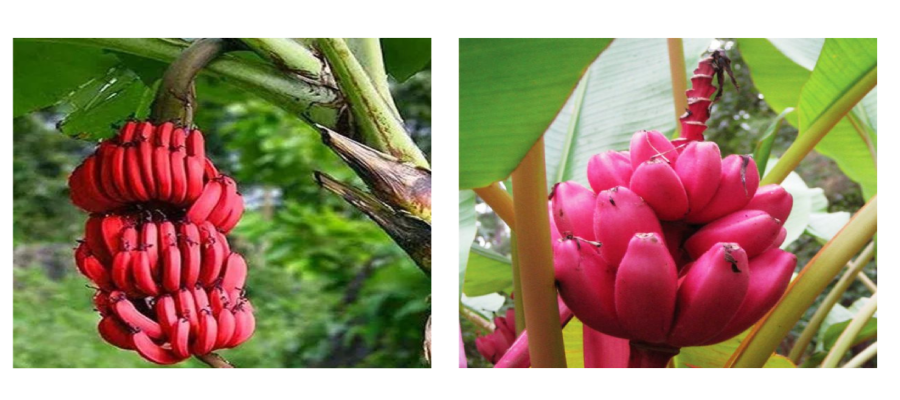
(509, 92)
(487, 272)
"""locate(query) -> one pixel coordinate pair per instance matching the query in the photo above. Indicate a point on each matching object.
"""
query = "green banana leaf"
(467, 230)
(790, 73)
(628, 88)
(487, 272)
(509, 92)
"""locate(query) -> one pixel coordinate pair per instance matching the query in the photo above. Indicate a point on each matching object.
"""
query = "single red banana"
(81, 252)
(122, 274)
(162, 170)
(105, 158)
(95, 271)
(647, 145)
(150, 243)
(204, 205)
(130, 315)
(93, 186)
(112, 232)
(225, 325)
(189, 245)
(194, 173)
(129, 240)
(77, 193)
(119, 166)
(133, 172)
(115, 333)
(143, 273)
(244, 325)
(201, 299)
(229, 200)
(171, 269)
(213, 254)
(573, 210)
(184, 301)
(93, 237)
(152, 351)
(234, 217)
(144, 149)
(235, 275)
(209, 170)
(609, 169)
(101, 302)
(181, 333)
(658, 184)
(738, 183)
(196, 145)
(621, 213)
(207, 335)
(219, 301)
(168, 235)
(177, 164)
(166, 312)
(646, 289)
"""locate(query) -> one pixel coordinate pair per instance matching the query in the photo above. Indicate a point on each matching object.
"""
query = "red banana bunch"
(168, 283)
(674, 246)
(495, 344)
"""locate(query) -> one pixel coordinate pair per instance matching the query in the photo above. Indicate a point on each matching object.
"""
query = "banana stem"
(648, 356)
(214, 360)
(175, 99)
(853, 269)
(368, 52)
(288, 55)
(500, 201)
(379, 126)
(862, 357)
(517, 284)
(846, 339)
(536, 260)
(476, 319)
(679, 79)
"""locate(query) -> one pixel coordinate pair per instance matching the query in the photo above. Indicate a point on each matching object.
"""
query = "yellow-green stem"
(679, 79)
(476, 319)
(500, 202)
(379, 126)
(368, 53)
(810, 136)
(802, 292)
(830, 300)
(867, 282)
(545, 344)
(863, 356)
(517, 284)
(846, 339)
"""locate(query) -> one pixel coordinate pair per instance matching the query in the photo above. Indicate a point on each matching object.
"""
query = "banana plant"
(684, 254)
(338, 87)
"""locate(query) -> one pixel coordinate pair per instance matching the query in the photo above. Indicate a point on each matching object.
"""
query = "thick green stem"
(175, 99)
(380, 128)
(288, 55)
(810, 136)
(316, 103)
(802, 292)
(846, 339)
(679, 80)
(830, 300)
(862, 357)
(536, 260)
(368, 52)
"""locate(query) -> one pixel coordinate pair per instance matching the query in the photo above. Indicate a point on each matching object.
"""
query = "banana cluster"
(168, 283)
(672, 245)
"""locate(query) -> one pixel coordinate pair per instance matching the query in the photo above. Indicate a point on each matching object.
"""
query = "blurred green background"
(330, 288)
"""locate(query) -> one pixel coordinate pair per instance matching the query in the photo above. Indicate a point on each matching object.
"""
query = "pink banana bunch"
(495, 344)
(673, 246)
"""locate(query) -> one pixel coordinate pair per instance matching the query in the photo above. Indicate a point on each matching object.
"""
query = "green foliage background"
(330, 288)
